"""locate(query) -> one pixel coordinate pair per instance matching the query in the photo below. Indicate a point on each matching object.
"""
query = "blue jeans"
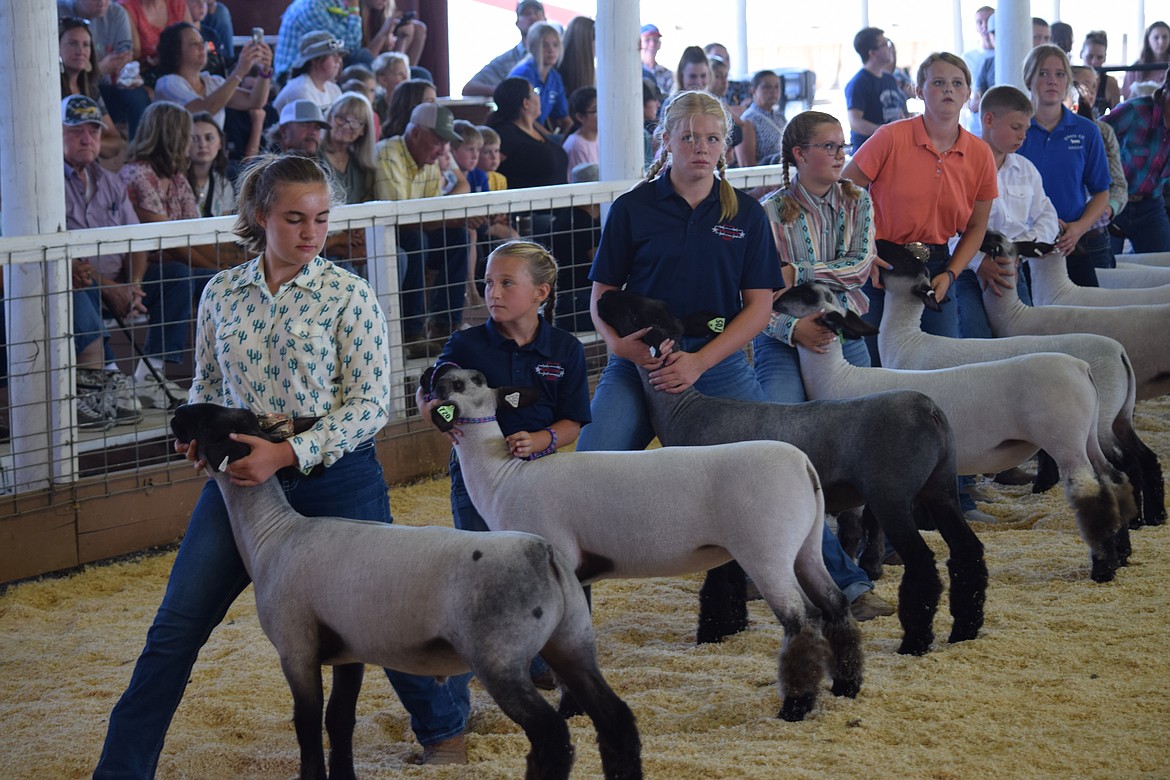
(968, 292)
(445, 251)
(206, 578)
(621, 420)
(1146, 224)
(171, 289)
(88, 326)
(1093, 252)
(942, 323)
(777, 367)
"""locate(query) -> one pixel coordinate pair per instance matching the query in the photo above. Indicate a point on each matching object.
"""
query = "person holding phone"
(384, 29)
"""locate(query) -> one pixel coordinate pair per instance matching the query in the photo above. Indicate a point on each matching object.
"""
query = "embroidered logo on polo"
(550, 372)
(727, 232)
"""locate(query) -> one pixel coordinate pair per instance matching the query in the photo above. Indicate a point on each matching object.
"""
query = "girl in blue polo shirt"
(685, 236)
(518, 346)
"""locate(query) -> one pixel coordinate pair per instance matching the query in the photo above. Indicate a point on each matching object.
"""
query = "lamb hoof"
(962, 633)
(1136, 523)
(848, 688)
(1103, 571)
(711, 632)
(1157, 517)
(915, 645)
(796, 707)
(569, 706)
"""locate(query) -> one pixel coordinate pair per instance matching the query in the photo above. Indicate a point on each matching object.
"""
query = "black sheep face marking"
(628, 312)
(805, 299)
(210, 426)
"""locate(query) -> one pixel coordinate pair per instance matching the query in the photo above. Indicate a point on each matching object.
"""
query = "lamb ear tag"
(512, 400)
(223, 464)
(717, 324)
(443, 416)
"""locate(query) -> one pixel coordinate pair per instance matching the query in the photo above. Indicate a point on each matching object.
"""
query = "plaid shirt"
(304, 16)
(1145, 144)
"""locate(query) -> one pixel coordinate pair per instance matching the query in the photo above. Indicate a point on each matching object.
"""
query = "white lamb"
(1131, 276)
(1143, 330)
(670, 511)
(903, 344)
(1002, 413)
(1051, 285)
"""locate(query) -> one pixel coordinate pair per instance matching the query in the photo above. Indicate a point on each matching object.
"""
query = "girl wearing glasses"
(686, 236)
(823, 228)
(930, 180)
(348, 146)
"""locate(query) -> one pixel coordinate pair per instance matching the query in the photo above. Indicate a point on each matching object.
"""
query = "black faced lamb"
(666, 512)
(1002, 413)
(1051, 285)
(903, 344)
(429, 601)
(841, 439)
(1143, 330)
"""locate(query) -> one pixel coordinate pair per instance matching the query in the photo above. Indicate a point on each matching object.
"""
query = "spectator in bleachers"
(183, 78)
(94, 197)
(766, 114)
(299, 129)
(113, 42)
(390, 68)
(737, 94)
(219, 18)
(1070, 154)
(148, 19)
(408, 167)
(873, 97)
(80, 74)
(208, 171)
(341, 19)
(314, 71)
(1093, 52)
(384, 29)
(156, 181)
(581, 145)
(974, 57)
(650, 43)
(574, 249)
(405, 97)
(484, 83)
(347, 150)
(489, 159)
(739, 155)
(1062, 36)
(540, 69)
(529, 159)
(1155, 49)
(651, 103)
(1141, 124)
(577, 65)
(360, 79)
(217, 63)
(693, 72)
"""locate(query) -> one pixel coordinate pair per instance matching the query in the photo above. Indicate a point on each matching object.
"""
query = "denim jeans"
(1093, 252)
(445, 251)
(777, 367)
(206, 578)
(1146, 224)
(942, 323)
(171, 288)
(88, 326)
(621, 420)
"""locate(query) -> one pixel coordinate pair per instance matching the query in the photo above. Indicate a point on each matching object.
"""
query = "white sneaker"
(122, 387)
(154, 395)
(90, 414)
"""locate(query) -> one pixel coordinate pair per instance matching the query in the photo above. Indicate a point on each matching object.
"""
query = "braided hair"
(799, 132)
(682, 108)
(542, 268)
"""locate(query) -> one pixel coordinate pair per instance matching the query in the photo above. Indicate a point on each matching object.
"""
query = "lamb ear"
(516, 397)
(925, 293)
(444, 416)
(850, 325)
(703, 324)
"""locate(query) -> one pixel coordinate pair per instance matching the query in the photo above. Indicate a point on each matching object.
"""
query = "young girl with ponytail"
(823, 228)
(685, 236)
(284, 303)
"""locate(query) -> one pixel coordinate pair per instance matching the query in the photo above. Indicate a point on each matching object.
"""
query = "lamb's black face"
(805, 299)
(210, 425)
(627, 312)
(997, 245)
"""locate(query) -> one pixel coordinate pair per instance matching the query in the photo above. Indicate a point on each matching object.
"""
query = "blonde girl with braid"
(823, 229)
(685, 236)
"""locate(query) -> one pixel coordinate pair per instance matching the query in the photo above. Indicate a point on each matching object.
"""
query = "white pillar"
(739, 59)
(619, 89)
(958, 47)
(1013, 40)
(36, 306)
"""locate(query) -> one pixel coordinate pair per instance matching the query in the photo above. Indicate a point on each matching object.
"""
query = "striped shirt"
(832, 239)
(317, 348)
(1145, 144)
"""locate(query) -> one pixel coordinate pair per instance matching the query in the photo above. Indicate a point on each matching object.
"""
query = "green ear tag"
(446, 411)
(716, 324)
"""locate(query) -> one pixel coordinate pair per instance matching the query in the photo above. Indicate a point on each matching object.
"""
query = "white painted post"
(739, 59)
(958, 47)
(36, 303)
(619, 89)
(1013, 40)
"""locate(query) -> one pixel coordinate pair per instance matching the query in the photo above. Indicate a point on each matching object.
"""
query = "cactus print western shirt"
(317, 348)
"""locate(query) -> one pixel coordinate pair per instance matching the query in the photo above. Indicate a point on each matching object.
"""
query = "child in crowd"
(466, 153)
(581, 145)
(489, 158)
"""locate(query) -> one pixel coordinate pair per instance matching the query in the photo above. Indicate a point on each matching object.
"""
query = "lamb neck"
(485, 462)
(901, 323)
(667, 408)
(261, 517)
(822, 372)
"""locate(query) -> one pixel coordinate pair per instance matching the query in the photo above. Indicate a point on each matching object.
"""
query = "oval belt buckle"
(919, 250)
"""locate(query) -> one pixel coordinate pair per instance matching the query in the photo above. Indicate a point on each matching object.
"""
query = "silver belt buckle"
(919, 250)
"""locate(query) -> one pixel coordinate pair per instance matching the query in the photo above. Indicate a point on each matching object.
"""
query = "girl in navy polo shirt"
(685, 236)
(517, 346)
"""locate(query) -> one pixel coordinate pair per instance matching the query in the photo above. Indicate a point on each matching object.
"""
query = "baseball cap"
(650, 29)
(80, 110)
(302, 111)
(524, 5)
(435, 117)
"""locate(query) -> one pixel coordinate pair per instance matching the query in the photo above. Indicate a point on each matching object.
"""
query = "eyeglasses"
(350, 122)
(71, 23)
(831, 149)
